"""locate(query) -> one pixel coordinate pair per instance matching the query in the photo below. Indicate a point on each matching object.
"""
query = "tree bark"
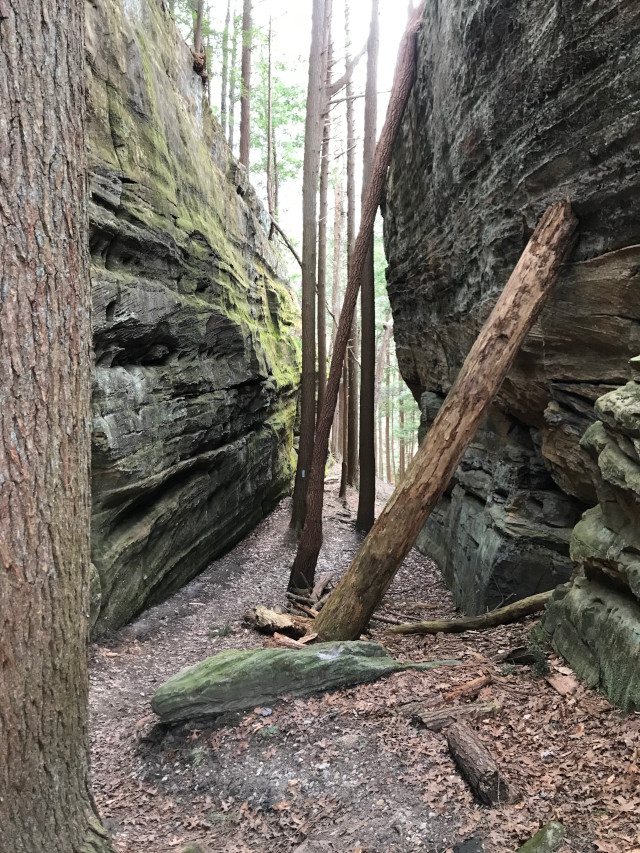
(312, 140)
(381, 360)
(225, 71)
(338, 222)
(352, 397)
(361, 589)
(344, 430)
(45, 432)
(502, 616)
(401, 468)
(269, 134)
(367, 455)
(478, 767)
(233, 77)
(245, 97)
(387, 429)
(198, 44)
(322, 221)
(311, 540)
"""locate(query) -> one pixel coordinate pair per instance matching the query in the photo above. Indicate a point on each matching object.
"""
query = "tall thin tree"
(312, 142)
(233, 78)
(45, 432)
(245, 96)
(225, 70)
(367, 455)
(352, 397)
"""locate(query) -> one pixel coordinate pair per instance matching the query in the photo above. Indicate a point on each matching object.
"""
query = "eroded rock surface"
(196, 361)
(594, 622)
(517, 104)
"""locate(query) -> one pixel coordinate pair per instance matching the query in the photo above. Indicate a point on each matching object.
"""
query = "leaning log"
(361, 589)
(502, 616)
(479, 767)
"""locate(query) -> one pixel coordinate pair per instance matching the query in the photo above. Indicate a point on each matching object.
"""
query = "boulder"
(240, 680)
(517, 104)
(548, 839)
(195, 326)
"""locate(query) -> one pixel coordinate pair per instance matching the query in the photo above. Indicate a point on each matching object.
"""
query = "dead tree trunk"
(225, 71)
(338, 220)
(311, 539)
(233, 77)
(479, 767)
(245, 96)
(270, 205)
(361, 589)
(367, 454)
(352, 397)
(45, 432)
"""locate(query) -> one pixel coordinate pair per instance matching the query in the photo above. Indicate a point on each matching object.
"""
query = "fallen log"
(502, 616)
(322, 583)
(364, 584)
(436, 719)
(468, 690)
(478, 767)
(267, 621)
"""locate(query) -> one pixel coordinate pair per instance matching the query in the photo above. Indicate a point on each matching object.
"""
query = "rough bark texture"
(479, 767)
(366, 443)
(195, 325)
(494, 132)
(312, 143)
(245, 97)
(311, 540)
(502, 616)
(45, 386)
(361, 589)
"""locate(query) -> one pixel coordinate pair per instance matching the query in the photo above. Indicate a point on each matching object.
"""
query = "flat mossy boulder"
(239, 680)
(546, 840)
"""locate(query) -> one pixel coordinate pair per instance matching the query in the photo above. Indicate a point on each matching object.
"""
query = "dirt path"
(346, 772)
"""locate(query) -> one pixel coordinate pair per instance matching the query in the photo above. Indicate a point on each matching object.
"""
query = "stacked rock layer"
(196, 360)
(517, 104)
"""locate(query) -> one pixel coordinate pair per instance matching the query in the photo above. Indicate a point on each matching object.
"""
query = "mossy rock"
(546, 840)
(239, 680)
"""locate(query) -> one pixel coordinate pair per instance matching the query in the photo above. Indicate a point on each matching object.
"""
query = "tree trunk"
(401, 441)
(269, 134)
(502, 616)
(388, 420)
(338, 222)
(361, 589)
(312, 140)
(352, 398)
(225, 71)
(381, 361)
(367, 456)
(276, 179)
(479, 767)
(45, 432)
(233, 77)
(311, 540)
(322, 222)
(245, 96)
(198, 43)
(344, 429)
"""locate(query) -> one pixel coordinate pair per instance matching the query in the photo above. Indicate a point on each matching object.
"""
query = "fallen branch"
(468, 690)
(436, 719)
(479, 767)
(502, 616)
(269, 622)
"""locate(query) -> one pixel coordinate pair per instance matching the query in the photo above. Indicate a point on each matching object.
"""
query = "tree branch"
(341, 82)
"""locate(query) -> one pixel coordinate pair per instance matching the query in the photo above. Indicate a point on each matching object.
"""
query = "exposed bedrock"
(194, 323)
(594, 621)
(517, 104)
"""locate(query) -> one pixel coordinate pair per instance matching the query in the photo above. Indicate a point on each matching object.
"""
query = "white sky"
(291, 38)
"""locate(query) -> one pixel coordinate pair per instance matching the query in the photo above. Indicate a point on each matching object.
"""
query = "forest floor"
(346, 771)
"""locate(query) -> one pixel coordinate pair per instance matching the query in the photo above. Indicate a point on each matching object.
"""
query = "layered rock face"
(196, 357)
(517, 104)
(594, 622)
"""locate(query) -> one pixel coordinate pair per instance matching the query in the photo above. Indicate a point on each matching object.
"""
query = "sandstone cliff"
(594, 622)
(196, 359)
(518, 103)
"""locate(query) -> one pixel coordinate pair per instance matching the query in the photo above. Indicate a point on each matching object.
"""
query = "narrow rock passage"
(347, 771)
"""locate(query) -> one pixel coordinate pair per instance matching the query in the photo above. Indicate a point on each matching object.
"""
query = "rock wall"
(195, 346)
(594, 622)
(517, 104)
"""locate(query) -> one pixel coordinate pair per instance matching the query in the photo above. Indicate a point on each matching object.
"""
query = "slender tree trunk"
(311, 540)
(276, 179)
(388, 420)
(382, 359)
(344, 430)
(269, 132)
(245, 97)
(361, 589)
(393, 438)
(225, 71)
(401, 442)
(198, 43)
(352, 445)
(312, 142)
(233, 77)
(45, 432)
(380, 451)
(367, 457)
(338, 224)
(322, 222)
